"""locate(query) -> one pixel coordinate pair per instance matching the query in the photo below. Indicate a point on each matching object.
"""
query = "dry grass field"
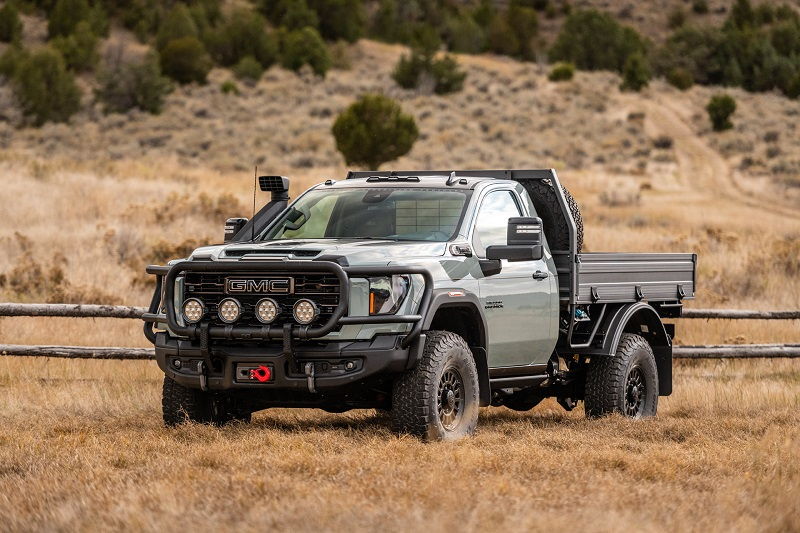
(82, 449)
(86, 205)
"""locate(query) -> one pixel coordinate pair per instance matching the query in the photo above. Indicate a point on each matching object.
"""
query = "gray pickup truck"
(427, 294)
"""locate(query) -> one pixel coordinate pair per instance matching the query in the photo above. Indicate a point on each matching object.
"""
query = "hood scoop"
(266, 252)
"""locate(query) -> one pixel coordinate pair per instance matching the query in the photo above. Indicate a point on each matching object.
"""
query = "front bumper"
(215, 367)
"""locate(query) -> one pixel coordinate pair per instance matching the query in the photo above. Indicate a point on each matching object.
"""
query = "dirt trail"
(703, 169)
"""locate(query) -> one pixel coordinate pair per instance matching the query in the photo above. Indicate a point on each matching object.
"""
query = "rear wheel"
(626, 383)
(181, 404)
(438, 399)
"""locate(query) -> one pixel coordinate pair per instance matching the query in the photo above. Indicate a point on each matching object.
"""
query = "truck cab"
(426, 293)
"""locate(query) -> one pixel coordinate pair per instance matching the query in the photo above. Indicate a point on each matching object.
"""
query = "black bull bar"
(166, 275)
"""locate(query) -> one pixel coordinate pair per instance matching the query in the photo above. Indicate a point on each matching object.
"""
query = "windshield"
(377, 213)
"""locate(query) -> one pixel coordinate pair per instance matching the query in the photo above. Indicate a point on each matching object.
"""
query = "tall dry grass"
(82, 448)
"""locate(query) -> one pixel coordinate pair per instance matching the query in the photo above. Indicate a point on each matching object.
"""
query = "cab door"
(517, 301)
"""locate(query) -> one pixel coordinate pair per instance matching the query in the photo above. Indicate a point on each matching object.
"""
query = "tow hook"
(567, 403)
(201, 369)
(309, 370)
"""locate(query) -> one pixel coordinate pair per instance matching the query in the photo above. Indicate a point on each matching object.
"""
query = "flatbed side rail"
(165, 294)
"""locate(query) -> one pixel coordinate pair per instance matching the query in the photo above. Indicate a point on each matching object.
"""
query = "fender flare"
(444, 299)
(647, 323)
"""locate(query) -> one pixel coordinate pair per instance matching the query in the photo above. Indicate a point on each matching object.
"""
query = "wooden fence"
(717, 351)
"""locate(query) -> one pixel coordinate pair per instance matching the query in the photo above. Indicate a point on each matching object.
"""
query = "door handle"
(540, 275)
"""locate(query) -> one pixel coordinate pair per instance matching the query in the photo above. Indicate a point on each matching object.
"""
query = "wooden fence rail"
(719, 351)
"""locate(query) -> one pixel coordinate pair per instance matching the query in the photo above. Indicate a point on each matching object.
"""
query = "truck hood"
(357, 251)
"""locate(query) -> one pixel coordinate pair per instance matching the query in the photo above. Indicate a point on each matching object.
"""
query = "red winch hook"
(262, 373)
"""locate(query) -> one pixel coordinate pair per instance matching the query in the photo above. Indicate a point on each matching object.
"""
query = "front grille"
(209, 288)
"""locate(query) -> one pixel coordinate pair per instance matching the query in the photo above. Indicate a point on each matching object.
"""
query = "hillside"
(87, 204)
(647, 170)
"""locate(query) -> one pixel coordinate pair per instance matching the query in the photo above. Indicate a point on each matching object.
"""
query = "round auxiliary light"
(266, 310)
(305, 311)
(193, 310)
(229, 310)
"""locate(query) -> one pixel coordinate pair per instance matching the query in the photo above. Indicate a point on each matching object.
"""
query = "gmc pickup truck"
(428, 294)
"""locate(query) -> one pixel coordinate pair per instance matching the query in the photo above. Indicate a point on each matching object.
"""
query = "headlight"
(386, 294)
(229, 310)
(305, 311)
(193, 310)
(266, 310)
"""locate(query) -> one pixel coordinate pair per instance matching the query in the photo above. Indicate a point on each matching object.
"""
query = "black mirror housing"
(524, 238)
(524, 231)
(515, 252)
(233, 226)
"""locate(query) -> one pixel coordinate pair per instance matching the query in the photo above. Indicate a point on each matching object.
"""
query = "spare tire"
(548, 208)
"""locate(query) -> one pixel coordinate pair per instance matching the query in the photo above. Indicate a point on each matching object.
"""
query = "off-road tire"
(181, 404)
(418, 393)
(609, 381)
(548, 208)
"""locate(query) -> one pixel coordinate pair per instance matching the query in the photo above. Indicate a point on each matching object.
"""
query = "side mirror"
(233, 226)
(524, 241)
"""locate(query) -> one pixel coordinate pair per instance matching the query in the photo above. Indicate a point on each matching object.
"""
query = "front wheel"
(181, 404)
(438, 399)
(626, 383)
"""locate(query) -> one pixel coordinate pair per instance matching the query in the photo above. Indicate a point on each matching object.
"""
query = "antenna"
(252, 218)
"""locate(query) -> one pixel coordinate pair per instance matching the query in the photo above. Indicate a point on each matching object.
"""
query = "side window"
(526, 199)
(491, 227)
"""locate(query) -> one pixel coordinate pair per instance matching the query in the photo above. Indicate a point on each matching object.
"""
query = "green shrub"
(636, 73)
(10, 24)
(185, 60)
(720, 108)
(700, 7)
(374, 130)
(592, 40)
(229, 87)
(680, 78)
(248, 69)
(676, 18)
(409, 68)
(177, 24)
(44, 88)
(79, 49)
(298, 15)
(561, 72)
(391, 23)
(66, 14)
(742, 15)
(243, 33)
(483, 13)
(792, 89)
(11, 59)
(512, 32)
(464, 35)
(785, 38)
(524, 23)
(124, 86)
(305, 47)
(340, 19)
(500, 39)
(98, 20)
(447, 76)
